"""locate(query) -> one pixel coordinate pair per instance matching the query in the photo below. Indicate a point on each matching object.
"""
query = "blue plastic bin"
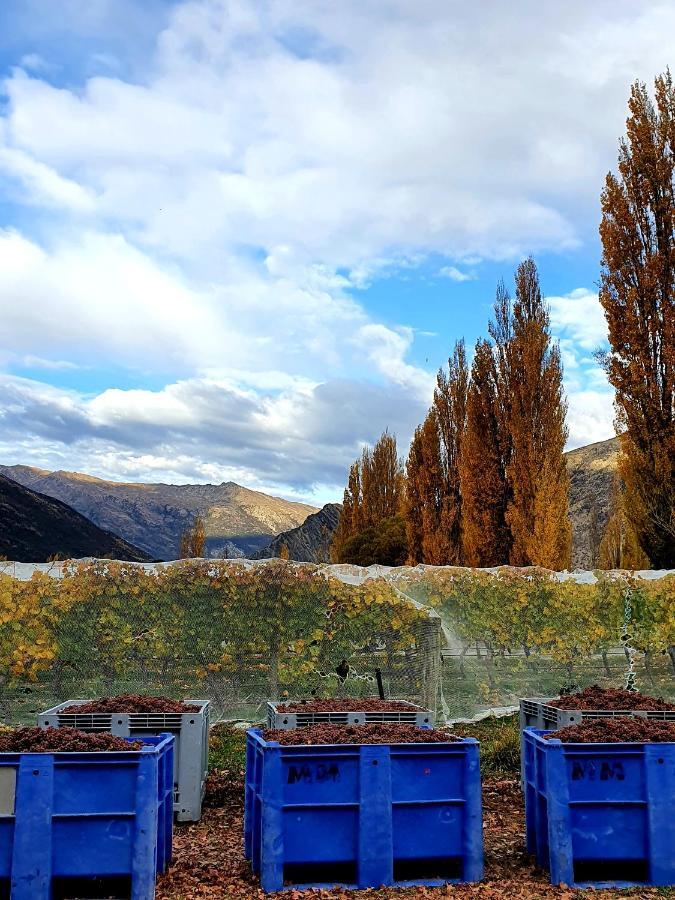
(363, 815)
(601, 815)
(85, 816)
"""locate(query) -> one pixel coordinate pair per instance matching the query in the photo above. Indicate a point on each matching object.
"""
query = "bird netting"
(459, 641)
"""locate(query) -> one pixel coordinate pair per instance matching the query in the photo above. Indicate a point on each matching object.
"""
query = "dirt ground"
(209, 860)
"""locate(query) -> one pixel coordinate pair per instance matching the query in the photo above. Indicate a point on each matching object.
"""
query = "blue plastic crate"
(601, 815)
(363, 815)
(84, 816)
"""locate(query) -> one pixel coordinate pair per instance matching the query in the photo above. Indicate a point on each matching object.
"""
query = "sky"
(239, 237)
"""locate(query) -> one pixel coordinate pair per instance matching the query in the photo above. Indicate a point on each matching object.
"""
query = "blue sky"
(238, 237)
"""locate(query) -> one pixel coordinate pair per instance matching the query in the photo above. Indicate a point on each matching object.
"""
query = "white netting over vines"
(462, 641)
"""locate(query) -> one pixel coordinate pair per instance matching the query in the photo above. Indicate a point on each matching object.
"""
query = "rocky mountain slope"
(591, 471)
(153, 516)
(309, 542)
(34, 528)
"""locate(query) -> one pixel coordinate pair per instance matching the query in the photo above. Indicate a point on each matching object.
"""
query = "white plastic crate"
(538, 712)
(409, 714)
(191, 752)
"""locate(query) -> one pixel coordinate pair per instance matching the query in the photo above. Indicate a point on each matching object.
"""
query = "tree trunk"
(490, 665)
(273, 679)
(605, 663)
(648, 667)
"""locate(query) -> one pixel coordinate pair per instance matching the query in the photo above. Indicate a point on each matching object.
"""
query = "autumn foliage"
(638, 296)
(486, 477)
(485, 535)
(533, 611)
(193, 540)
(619, 547)
(370, 528)
(537, 508)
(228, 628)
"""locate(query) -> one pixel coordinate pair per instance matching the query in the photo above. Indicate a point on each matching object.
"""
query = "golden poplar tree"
(450, 409)
(351, 514)
(414, 499)
(485, 535)
(537, 512)
(193, 540)
(637, 293)
(373, 496)
(436, 546)
(382, 481)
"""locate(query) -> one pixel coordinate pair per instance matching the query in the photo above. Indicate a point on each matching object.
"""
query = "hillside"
(34, 527)
(591, 471)
(153, 516)
(309, 542)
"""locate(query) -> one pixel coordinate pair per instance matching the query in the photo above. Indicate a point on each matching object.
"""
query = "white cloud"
(34, 62)
(395, 136)
(37, 362)
(590, 417)
(298, 442)
(98, 298)
(387, 349)
(454, 274)
(578, 322)
(208, 218)
(579, 317)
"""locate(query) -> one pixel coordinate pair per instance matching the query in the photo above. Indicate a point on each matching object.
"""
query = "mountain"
(34, 527)
(591, 470)
(153, 516)
(309, 542)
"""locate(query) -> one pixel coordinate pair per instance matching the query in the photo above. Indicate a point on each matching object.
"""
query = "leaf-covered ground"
(209, 860)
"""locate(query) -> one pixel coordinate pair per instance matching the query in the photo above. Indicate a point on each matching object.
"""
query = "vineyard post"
(430, 649)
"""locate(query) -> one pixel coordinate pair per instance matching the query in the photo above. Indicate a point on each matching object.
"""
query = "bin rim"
(153, 744)
(256, 734)
(550, 701)
(59, 708)
(538, 735)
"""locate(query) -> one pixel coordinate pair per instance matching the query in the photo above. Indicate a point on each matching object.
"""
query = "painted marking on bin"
(318, 774)
(597, 771)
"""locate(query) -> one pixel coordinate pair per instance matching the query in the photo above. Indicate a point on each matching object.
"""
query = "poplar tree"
(619, 547)
(351, 518)
(436, 540)
(485, 535)
(450, 409)
(534, 408)
(382, 481)
(637, 293)
(414, 499)
(193, 540)
(374, 494)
